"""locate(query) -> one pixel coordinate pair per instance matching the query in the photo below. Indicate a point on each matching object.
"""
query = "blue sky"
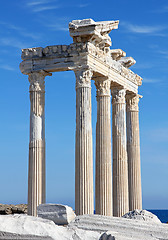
(142, 33)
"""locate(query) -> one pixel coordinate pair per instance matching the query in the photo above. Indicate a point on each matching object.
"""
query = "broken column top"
(88, 30)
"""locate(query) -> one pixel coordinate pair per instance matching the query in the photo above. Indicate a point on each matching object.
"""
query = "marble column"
(83, 146)
(133, 150)
(36, 176)
(103, 149)
(120, 164)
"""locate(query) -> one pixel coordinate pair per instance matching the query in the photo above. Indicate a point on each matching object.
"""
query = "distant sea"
(161, 214)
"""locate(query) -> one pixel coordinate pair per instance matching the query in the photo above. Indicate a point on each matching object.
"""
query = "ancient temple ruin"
(91, 58)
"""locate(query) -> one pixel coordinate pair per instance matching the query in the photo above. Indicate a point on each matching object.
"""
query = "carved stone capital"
(118, 95)
(37, 82)
(132, 101)
(103, 87)
(83, 78)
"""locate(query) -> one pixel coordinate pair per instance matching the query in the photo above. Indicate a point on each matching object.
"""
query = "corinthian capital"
(132, 101)
(118, 95)
(37, 82)
(83, 78)
(103, 87)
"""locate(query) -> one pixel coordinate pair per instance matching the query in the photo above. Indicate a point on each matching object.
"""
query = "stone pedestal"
(36, 178)
(120, 165)
(83, 153)
(103, 149)
(133, 149)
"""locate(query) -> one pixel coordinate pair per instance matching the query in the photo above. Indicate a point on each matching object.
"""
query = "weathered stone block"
(142, 215)
(59, 214)
(6, 209)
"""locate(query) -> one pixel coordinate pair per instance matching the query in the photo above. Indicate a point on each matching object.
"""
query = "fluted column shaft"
(36, 176)
(120, 165)
(83, 151)
(133, 149)
(103, 149)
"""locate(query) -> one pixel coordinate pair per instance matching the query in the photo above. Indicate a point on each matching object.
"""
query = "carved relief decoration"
(138, 80)
(80, 49)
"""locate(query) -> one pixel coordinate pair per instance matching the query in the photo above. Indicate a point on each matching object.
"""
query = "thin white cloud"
(35, 3)
(21, 31)
(144, 29)
(163, 9)
(11, 26)
(7, 67)
(42, 5)
(154, 46)
(83, 5)
(44, 8)
(54, 23)
(4, 51)
(151, 80)
(57, 27)
(143, 66)
(164, 53)
(13, 42)
(34, 36)
(159, 134)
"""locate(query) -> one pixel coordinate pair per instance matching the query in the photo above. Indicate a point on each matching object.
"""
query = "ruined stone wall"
(6, 209)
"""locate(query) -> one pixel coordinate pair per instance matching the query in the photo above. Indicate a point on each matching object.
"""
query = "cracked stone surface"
(86, 227)
(142, 215)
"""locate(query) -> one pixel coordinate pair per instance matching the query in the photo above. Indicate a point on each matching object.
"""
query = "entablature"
(70, 57)
(91, 49)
